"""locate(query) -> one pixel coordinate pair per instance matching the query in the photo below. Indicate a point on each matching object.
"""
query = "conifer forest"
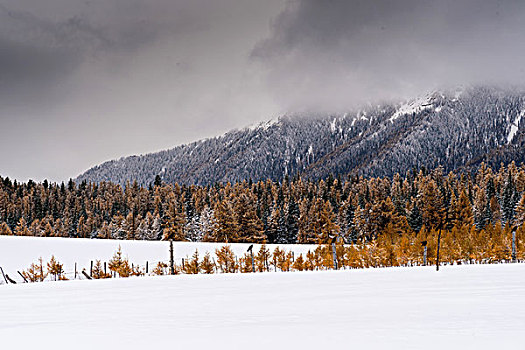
(374, 221)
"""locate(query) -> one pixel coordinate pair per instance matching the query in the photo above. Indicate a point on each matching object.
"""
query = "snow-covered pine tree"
(193, 229)
(207, 223)
(118, 227)
(520, 211)
(479, 206)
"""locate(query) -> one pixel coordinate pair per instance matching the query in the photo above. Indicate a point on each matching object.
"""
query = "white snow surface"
(459, 307)
(414, 106)
(514, 127)
(264, 125)
(332, 125)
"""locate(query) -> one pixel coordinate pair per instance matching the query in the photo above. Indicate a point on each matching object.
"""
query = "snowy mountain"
(455, 129)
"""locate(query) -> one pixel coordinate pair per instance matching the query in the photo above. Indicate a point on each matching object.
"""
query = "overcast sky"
(82, 82)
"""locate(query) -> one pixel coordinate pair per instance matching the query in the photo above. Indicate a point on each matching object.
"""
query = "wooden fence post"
(91, 269)
(514, 255)
(250, 249)
(334, 256)
(146, 267)
(172, 262)
(1, 269)
(437, 255)
(75, 270)
(424, 244)
(25, 280)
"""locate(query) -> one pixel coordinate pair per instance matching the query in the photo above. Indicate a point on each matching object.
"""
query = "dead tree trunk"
(9, 279)
(86, 275)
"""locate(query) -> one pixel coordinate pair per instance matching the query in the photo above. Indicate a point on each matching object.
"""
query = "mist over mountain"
(458, 128)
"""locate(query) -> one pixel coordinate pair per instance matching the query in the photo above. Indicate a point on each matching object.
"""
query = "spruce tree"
(158, 181)
(415, 220)
(292, 222)
(508, 200)
(274, 229)
(350, 231)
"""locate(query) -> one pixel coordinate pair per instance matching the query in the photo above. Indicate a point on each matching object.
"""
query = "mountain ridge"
(454, 129)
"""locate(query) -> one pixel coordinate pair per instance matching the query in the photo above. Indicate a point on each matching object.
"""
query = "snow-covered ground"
(413, 106)
(459, 307)
(514, 127)
(17, 253)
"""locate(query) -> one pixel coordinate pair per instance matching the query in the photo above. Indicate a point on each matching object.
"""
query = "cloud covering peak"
(329, 54)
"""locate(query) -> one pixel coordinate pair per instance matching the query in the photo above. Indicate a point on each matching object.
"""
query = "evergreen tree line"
(477, 208)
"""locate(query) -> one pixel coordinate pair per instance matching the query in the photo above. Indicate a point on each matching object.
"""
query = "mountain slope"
(450, 128)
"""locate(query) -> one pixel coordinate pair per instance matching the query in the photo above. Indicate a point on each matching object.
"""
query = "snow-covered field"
(17, 253)
(459, 307)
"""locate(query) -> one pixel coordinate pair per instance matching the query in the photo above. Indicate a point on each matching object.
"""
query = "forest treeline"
(474, 211)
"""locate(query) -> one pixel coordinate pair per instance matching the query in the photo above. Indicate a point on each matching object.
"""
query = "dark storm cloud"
(29, 58)
(35, 50)
(22, 63)
(84, 81)
(47, 42)
(330, 54)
